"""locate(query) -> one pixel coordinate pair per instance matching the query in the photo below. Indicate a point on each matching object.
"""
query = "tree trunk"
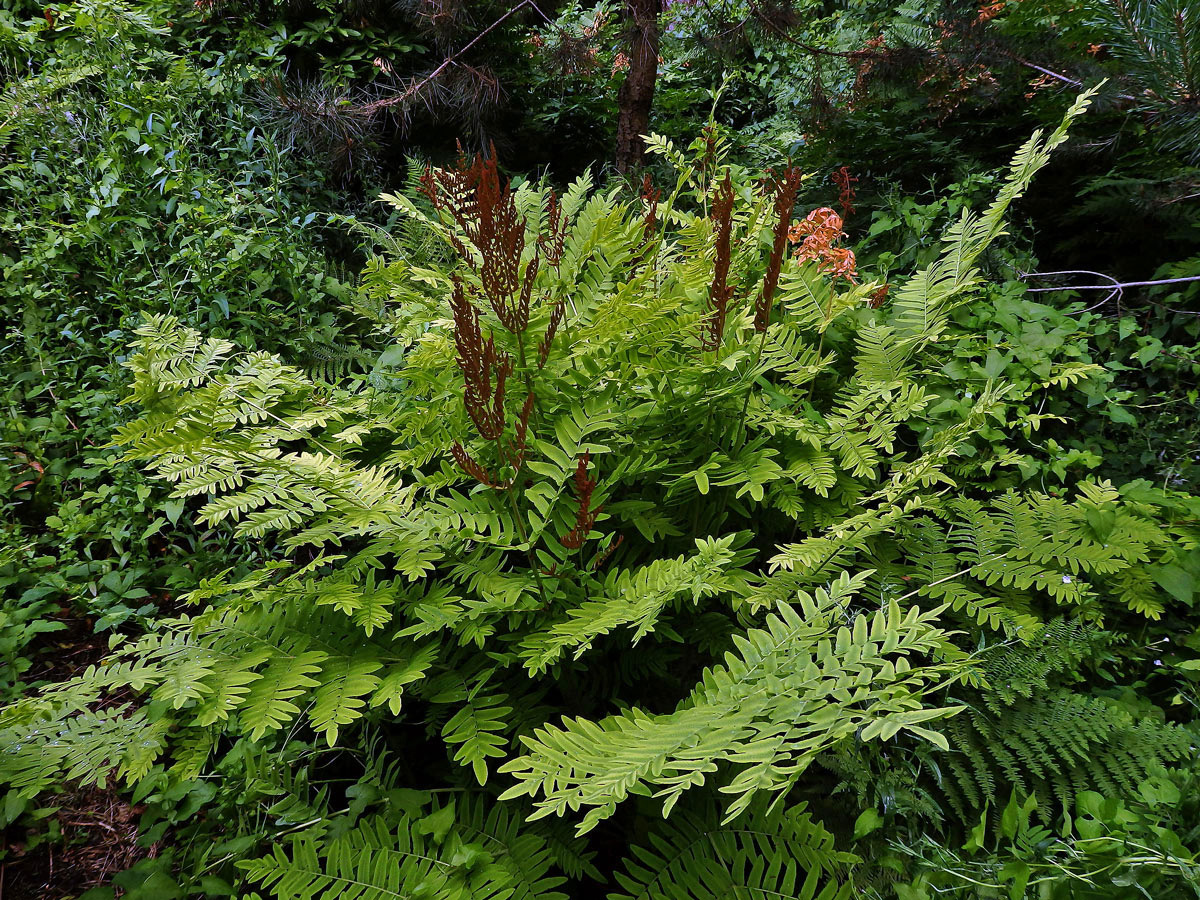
(637, 92)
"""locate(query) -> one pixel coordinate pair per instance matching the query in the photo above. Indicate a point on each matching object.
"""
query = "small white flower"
(1066, 579)
(1158, 662)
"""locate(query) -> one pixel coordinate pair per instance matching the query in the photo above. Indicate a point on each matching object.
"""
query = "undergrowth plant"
(112, 209)
(133, 178)
(657, 519)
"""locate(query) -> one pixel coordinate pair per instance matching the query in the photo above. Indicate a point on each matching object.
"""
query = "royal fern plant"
(646, 516)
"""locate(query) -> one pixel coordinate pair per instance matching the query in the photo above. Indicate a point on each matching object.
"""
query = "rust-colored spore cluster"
(650, 196)
(552, 243)
(484, 208)
(721, 291)
(468, 464)
(785, 188)
(498, 230)
(585, 516)
(515, 454)
(816, 234)
(556, 315)
(845, 183)
(479, 361)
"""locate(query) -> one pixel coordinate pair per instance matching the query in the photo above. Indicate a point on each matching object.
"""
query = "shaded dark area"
(96, 837)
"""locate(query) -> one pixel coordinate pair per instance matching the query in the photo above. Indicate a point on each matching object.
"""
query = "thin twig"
(371, 109)
(1180, 199)
(1114, 287)
(1106, 287)
(1065, 79)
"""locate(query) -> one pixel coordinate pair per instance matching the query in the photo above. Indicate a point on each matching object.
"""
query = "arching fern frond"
(784, 854)
(791, 690)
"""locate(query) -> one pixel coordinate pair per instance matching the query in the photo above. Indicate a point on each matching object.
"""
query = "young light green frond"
(637, 598)
(790, 691)
(923, 303)
(268, 705)
(477, 729)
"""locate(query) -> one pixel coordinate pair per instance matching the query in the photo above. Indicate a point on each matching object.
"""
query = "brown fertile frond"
(517, 455)
(518, 311)
(585, 516)
(650, 197)
(556, 315)
(552, 243)
(483, 206)
(785, 188)
(468, 337)
(429, 187)
(499, 233)
(720, 291)
(468, 464)
(845, 182)
(709, 135)
(479, 361)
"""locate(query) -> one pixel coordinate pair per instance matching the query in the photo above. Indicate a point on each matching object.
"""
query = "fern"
(637, 598)
(781, 854)
(529, 858)
(923, 303)
(792, 690)
(375, 862)
(1053, 746)
(729, 548)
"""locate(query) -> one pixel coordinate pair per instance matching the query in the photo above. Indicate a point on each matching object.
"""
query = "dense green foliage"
(556, 538)
(114, 207)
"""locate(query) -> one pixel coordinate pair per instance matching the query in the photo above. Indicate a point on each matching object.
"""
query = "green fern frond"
(1053, 746)
(789, 691)
(372, 862)
(784, 854)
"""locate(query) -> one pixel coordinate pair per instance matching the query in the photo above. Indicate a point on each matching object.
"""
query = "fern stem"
(959, 574)
(826, 313)
(742, 429)
(520, 523)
